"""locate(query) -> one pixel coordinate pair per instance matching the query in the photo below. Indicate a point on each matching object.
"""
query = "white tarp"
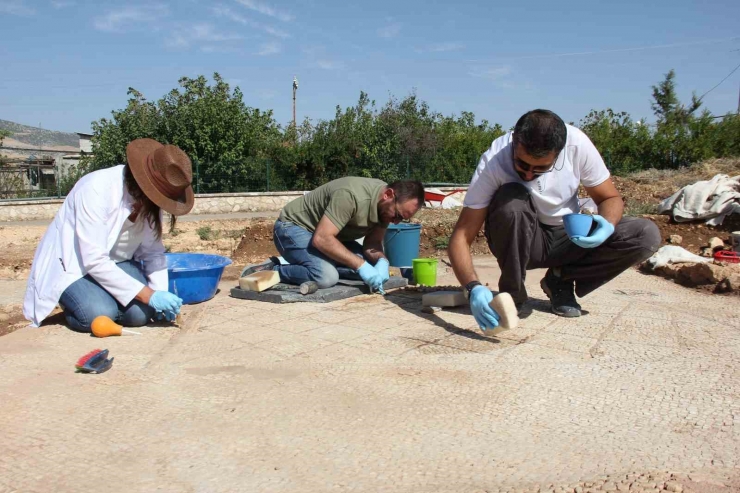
(672, 254)
(704, 200)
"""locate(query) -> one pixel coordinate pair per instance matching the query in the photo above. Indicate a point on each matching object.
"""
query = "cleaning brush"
(96, 361)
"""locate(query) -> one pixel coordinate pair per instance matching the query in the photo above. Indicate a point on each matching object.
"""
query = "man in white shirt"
(523, 186)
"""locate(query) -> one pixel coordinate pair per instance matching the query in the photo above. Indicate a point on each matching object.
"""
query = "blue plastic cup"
(577, 224)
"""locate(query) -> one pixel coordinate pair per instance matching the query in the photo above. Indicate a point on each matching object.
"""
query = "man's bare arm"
(325, 240)
(372, 246)
(468, 225)
(606, 196)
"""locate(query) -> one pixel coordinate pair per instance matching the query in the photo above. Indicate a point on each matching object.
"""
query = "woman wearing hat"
(103, 253)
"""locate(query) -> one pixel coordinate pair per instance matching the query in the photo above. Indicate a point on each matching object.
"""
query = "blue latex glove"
(604, 229)
(166, 303)
(480, 297)
(382, 267)
(370, 276)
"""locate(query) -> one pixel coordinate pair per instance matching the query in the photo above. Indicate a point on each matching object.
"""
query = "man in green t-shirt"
(316, 234)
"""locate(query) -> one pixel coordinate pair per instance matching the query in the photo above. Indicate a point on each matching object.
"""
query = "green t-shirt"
(350, 203)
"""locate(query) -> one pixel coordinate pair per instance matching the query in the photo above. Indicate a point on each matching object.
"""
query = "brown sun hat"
(164, 173)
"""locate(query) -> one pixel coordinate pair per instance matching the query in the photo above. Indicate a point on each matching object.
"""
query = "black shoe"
(268, 264)
(562, 297)
(523, 310)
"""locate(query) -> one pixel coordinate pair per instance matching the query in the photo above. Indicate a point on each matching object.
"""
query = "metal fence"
(259, 175)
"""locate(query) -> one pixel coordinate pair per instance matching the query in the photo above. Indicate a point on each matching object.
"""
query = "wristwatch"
(469, 287)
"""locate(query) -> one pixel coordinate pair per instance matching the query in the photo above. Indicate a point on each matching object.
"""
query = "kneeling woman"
(103, 253)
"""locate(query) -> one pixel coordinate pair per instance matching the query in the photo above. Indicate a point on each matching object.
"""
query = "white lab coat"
(79, 241)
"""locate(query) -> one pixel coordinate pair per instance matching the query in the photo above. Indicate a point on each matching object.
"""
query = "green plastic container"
(425, 271)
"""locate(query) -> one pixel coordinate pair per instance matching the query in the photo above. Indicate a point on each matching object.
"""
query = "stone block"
(444, 299)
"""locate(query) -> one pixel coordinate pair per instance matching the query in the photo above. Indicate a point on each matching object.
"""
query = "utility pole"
(295, 88)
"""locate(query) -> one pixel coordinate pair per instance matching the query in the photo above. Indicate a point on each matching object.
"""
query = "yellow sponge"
(259, 281)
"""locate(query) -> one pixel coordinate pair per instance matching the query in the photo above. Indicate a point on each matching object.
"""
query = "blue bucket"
(401, 244)
(194, 277)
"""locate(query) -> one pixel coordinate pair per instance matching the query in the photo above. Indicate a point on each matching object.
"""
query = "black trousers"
(520, 242)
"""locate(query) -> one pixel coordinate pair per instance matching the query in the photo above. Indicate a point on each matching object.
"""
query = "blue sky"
(68, 62)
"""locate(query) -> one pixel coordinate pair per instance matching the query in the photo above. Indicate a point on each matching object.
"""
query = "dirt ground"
(695, 236)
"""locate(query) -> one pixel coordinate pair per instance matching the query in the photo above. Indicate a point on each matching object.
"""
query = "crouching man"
(317, 233)
(524, 185)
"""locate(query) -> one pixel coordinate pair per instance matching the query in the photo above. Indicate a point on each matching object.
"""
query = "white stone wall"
(242, 202)
(30, 210)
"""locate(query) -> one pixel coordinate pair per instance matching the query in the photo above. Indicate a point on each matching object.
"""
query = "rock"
(444, 299)
(716, 244)
(674, 486)
(691, 274)
(623, 487)
(4, 317)
(578, 489)
(609, 486)
(675, 239)
(724, 286)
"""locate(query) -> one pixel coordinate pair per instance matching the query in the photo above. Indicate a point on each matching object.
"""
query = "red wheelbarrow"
(439, 197)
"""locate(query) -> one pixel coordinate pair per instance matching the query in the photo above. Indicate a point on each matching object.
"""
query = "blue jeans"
(85, 299)
(306, 262)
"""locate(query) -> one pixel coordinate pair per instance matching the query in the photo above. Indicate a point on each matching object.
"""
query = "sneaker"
(562, 297)
(268, 264)
(523, 310)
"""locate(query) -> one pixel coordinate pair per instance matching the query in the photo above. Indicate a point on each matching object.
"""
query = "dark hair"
(148, 210)
(407, 190)
(540, 132)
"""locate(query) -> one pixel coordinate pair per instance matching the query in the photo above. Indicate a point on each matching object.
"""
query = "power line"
(600, 52)
(720, 82)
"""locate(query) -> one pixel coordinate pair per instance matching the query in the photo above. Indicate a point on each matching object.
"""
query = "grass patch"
(441, 242)
(206, 233)
(636, 208)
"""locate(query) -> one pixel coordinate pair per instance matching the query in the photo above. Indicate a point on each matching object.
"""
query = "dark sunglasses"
(535, 170)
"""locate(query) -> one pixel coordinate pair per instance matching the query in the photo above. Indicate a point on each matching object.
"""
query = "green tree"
(683, 133)
(623, 143)
(666, 105)
(229, 143)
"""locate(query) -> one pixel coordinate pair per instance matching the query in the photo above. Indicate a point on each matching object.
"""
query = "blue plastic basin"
(577, 224)
(194, 277)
